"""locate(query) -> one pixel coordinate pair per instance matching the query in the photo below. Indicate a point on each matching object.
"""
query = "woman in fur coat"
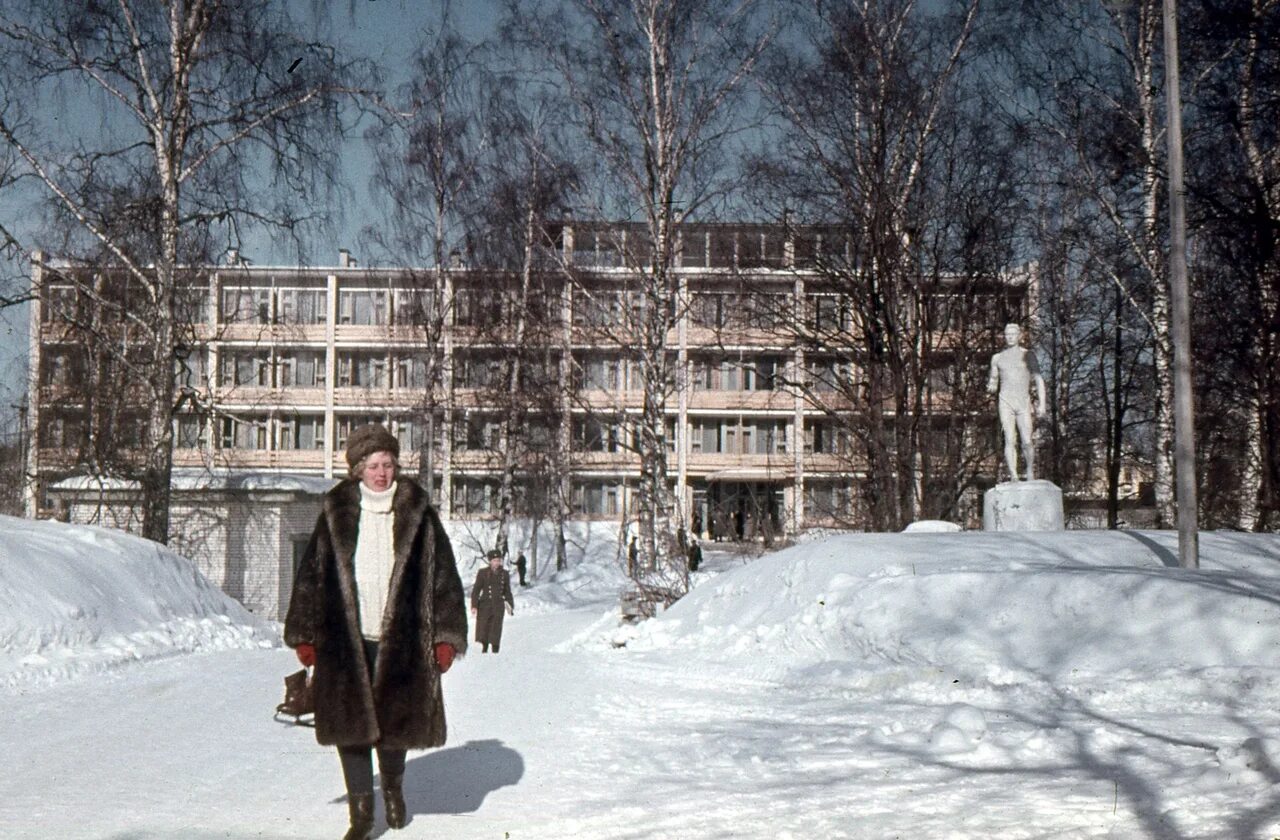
(378, 609)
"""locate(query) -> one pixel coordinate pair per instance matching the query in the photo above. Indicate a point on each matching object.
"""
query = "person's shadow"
(456, 780)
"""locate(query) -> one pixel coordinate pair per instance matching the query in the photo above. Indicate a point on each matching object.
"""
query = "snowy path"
(603, 744)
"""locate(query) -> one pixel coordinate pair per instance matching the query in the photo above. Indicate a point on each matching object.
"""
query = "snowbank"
(992, 606)
(77, 599)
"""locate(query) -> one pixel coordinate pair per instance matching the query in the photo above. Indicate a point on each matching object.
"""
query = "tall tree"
(199, 101)
(1092, 75)
(655, 85)
(880, 141)
(529, 181)
(1234, 49)
(429, 157)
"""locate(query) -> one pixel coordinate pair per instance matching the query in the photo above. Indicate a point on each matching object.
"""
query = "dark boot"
(393, 796)
(361, 807)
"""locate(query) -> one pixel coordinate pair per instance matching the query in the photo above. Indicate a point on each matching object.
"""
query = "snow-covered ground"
(966, 685)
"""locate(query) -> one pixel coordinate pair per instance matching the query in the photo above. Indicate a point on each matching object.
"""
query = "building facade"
(284, 361)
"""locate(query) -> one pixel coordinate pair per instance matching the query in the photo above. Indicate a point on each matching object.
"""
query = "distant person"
(521, 566)
(489, 596)
(1014, 370)
(633, 555)
(695, 556)
(377, 607)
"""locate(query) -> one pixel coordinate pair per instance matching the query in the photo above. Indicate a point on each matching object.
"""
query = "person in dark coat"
(695, 556)
(490, 594)
(378, 609)
(521, 567)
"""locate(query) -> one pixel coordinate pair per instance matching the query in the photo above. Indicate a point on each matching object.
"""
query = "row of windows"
(622, 247)
(298, 367)
(599, 308)
(731, 435)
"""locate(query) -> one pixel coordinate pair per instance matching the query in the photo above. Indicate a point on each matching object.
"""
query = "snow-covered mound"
(76, 598)
(994, 606)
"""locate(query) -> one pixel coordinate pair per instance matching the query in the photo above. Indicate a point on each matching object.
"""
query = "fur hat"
(368, 439)
(493, 554)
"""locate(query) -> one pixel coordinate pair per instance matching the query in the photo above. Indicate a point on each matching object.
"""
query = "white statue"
(1013, 370)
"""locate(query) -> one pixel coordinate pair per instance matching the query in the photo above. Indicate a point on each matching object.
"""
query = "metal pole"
(1180, 305)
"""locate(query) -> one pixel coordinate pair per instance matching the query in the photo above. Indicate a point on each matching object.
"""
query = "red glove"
(306, 654)
(444, 655)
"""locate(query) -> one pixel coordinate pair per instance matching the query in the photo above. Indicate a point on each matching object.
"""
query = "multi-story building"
(285, 361)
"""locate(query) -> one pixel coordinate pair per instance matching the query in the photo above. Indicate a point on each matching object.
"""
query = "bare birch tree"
(429, 156)
(1234, 48)
(197, 100)
(655, 85)
(1097, 85)
(902, 282)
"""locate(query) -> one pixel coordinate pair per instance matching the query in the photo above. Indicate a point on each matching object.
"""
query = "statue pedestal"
(1023, 506)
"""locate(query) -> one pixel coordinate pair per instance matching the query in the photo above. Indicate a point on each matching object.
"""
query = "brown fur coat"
(404, 707)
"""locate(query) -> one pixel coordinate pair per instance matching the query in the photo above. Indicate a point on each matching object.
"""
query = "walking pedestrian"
(521, 566)
(695, 556)
(490, 594)
(377, 608)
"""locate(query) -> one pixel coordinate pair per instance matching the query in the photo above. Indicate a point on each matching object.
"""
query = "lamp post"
(1180, 307)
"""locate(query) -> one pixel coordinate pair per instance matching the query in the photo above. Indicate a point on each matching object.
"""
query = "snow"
(76, 599)
(962, 685)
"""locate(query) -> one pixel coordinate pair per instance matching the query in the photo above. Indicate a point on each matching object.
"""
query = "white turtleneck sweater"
(375, 555)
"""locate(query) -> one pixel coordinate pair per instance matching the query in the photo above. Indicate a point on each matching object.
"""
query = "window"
(190, 305)
(471, 371)
(362, 370)
(693, 249)
(723, 248)
(303, 306)
(592, 434)
(300, 432)
(189, 431)
(760, 375)
(62, 303)
(191, 367)
(598, 308)
(597, 498)
(415, 307)
(602, 372)
(62, 366)
(244, 433)
(246, 367)
(478, 307)
(602, 248)
(362, 307)
(829, 313)
(246, 305)
(770, 437)
(830, 375)
(823, 437)
(474, 495)
(827, 500)
(477, 432)
(411, 372)
(61, 430)
(297, 368)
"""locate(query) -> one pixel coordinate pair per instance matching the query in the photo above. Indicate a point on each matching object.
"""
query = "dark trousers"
(357, 761)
